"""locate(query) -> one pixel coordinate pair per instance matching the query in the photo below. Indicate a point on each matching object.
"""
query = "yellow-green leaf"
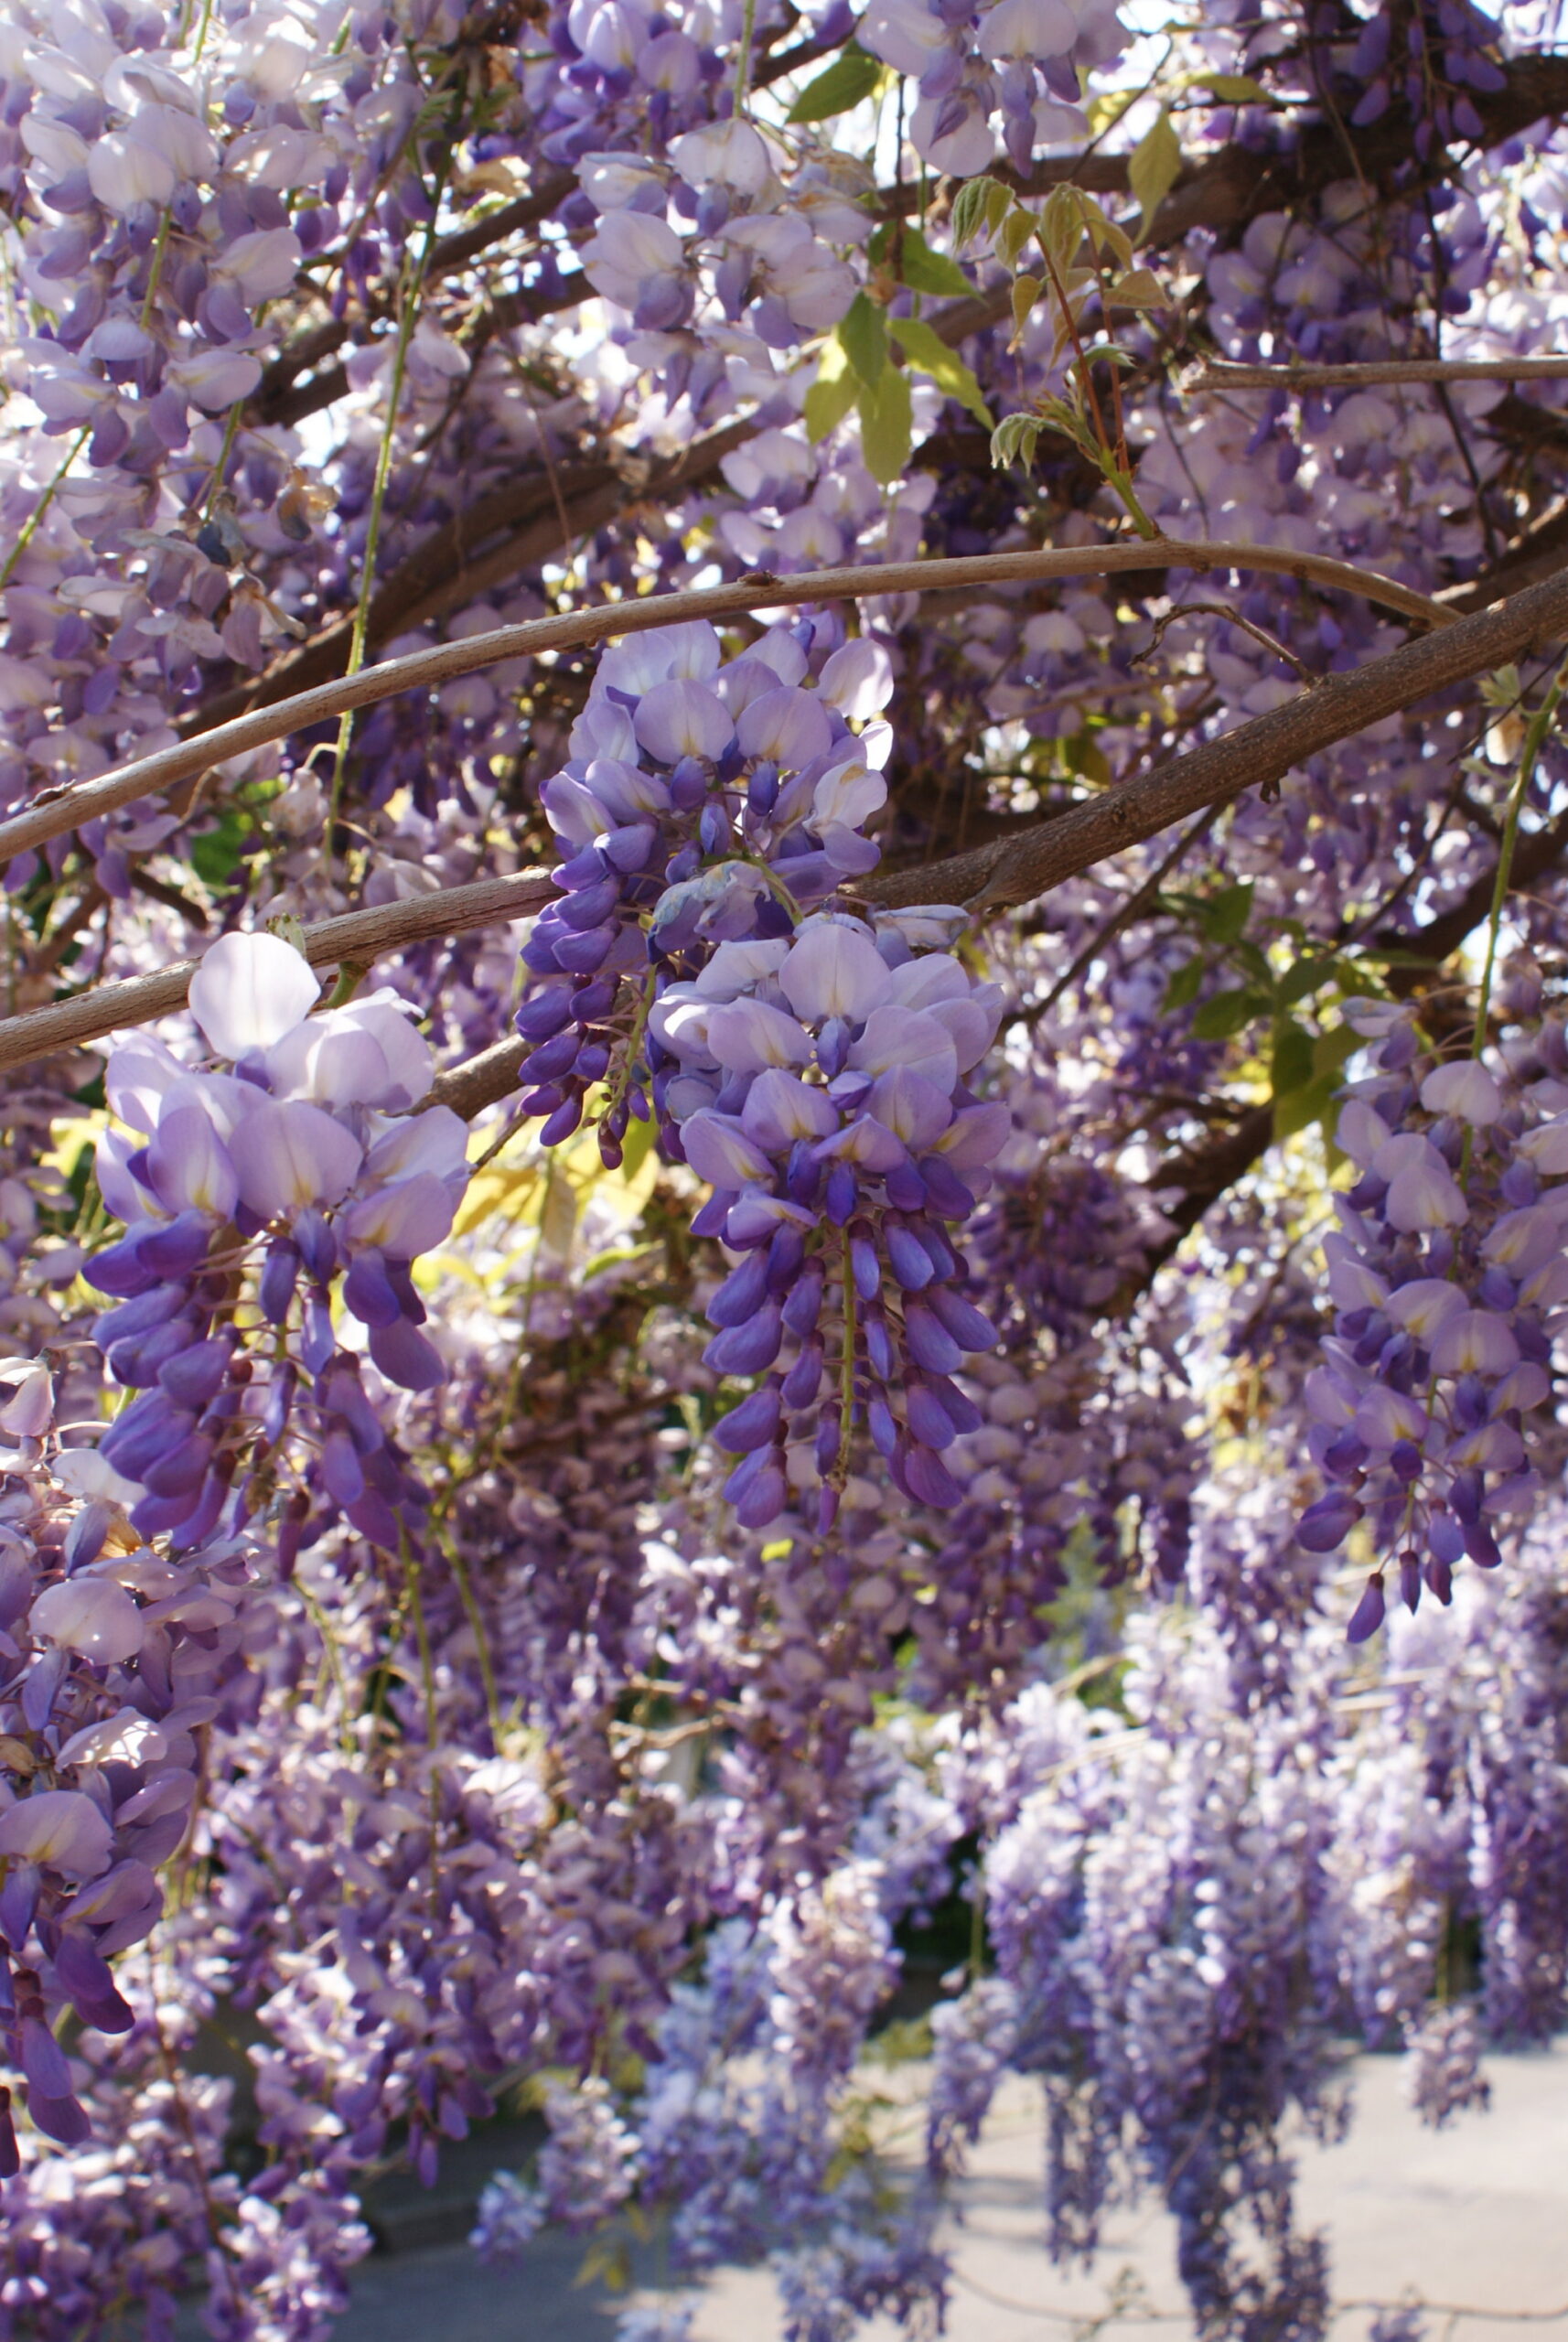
(979, 204)
(924, 271)
(832, 394)
(924, 348)
(1236, 89)
(1025, 293)
(887, 425)
(1015, 233)
(863, 331)
(1153, 167)
(1139, 289)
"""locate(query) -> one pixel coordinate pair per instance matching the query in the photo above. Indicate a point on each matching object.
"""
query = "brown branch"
(508, 530)
(58, 810)
(1264, 750)
(468, 1089)
(270, 404)
(1536, 554)
(361, 935)
(1222, 374)
(290, 402)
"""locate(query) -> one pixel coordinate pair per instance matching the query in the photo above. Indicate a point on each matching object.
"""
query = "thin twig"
(1228, 374)
(58, 810)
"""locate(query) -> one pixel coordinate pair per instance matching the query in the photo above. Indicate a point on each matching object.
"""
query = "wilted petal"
(27, 1389)
(61, 1827)
(294, 1154)
(251, 990)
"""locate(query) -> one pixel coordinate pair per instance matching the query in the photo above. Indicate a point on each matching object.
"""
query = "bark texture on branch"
(58, 810)
(357, 935)
(1016, 870)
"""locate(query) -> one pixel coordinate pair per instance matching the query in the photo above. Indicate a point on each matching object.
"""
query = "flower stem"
(29, 528)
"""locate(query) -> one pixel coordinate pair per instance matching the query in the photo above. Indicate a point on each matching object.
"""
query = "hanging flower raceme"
(115, 1659)
(807, 1062)
(295, 1159)
(1449, 1269)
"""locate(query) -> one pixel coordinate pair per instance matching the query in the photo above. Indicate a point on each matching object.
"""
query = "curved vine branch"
(58, 810)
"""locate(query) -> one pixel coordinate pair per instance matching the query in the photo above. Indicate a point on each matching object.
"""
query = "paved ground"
(1476, 2217)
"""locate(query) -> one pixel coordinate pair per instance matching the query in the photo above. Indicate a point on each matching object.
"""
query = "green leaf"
(863, 332)
(1015, 440)
(1139, 289)
(1291, 1065)
(851, 76)
(215, 853)
(887, 429)
(1182, 989)
(1330, 1050)
(924, 271)
(1082, 754)
(924, 348)
(1226, 1013)
(1236, 89)
(1015, 233)
(1151, 168)
(1025, 293)
(979, 204)
(1296, 1109)
(1305, 977)
(1224, 916)
(832, 394)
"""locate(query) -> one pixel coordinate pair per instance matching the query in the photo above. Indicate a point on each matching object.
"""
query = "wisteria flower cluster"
(303, 1158)
(1448, 1271)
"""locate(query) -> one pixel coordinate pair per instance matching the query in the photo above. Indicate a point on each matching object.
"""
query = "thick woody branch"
(356, 936)
(55, 812)
(1018, 870)
(470, 1089)
(1222, 374)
